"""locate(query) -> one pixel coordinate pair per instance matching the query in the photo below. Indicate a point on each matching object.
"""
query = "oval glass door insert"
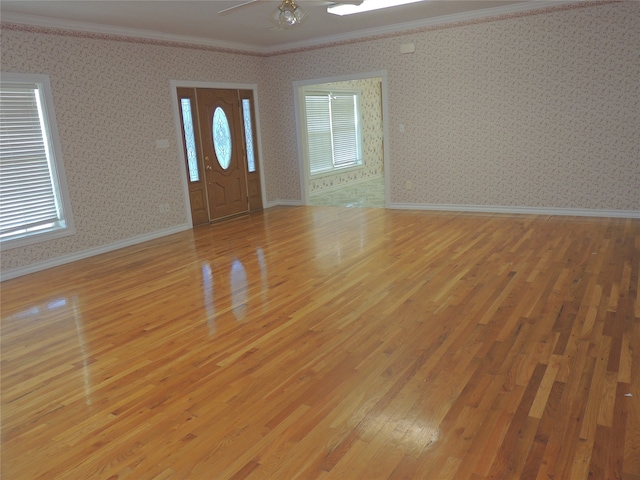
(221, 138)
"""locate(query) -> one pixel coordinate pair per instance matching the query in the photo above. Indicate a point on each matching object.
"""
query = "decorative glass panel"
(248, 134)
(189, 140)
(221, 138)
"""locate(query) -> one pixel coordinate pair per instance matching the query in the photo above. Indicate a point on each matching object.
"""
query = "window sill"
(336, 171)
(30, 239)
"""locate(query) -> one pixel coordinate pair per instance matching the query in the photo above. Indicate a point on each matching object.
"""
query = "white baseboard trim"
(72, 257)
(577, 212)
(284, 203)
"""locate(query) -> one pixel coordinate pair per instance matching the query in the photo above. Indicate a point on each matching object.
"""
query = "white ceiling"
(245, 28)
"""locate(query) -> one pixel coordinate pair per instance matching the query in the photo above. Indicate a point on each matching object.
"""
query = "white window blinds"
(333, 130)
(319, 133)
(29, 194)
(26, 193)
(345, 130)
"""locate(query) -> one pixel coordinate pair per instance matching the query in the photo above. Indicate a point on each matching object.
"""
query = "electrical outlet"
(164, 208)
(408, 185)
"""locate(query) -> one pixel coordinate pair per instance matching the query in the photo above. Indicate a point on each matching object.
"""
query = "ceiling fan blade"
(230, 9)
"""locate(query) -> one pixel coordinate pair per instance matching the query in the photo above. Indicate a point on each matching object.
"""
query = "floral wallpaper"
(527, 110)
(112, 102)
(372, 154)
(537, 110)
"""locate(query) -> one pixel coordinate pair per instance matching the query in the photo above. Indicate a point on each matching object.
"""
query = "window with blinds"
(31, 199)
(333, 130)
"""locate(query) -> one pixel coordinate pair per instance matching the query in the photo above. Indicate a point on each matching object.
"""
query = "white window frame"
(64, 226)
(359, 163)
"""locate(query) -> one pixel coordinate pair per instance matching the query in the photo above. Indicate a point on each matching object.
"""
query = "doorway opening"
(342, 149)
(218, 129)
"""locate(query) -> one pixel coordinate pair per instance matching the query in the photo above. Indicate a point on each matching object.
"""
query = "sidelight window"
(189, 139)
(248, 134)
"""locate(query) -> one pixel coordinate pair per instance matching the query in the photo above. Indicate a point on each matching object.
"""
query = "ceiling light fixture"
(366, 6)
(288, 14)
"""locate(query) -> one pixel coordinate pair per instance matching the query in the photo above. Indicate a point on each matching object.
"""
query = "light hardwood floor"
(313, 342)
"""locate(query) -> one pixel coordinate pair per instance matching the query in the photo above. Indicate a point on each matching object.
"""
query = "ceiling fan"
(288, 14)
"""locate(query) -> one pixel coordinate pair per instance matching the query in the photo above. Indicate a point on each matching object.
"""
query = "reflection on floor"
(367, 194)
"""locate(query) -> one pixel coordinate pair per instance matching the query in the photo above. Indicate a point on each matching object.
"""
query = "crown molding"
(94, 30)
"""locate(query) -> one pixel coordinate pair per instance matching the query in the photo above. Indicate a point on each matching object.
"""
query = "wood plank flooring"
(332, 343)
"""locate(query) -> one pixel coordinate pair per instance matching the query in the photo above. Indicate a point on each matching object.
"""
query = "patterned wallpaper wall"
(532, 110)
(372, 154)
(529, 110)
(112, 102)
